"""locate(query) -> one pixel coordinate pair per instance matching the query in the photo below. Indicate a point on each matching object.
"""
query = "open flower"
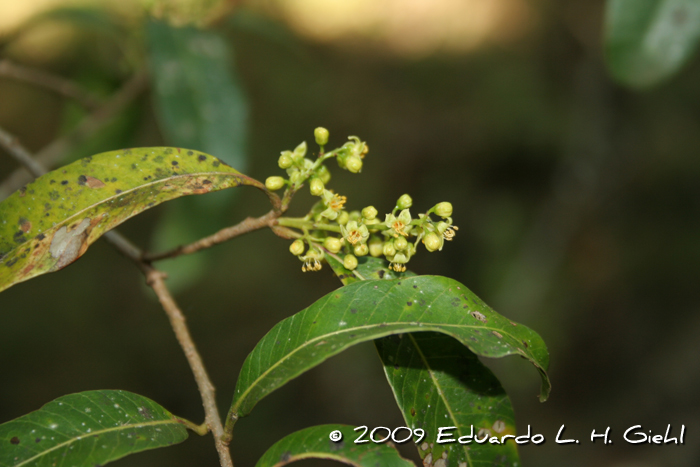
(311, 260)
(398, 225)
(447, 230)
(334, 204)
(398, 262)
(354, 232)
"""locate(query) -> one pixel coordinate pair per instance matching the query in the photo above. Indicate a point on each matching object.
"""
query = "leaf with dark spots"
(84, 211)
(87, 429)
(454, 384)
(382, 313)
(314, 443)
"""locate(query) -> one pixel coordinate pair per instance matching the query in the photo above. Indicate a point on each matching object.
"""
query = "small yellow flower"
(334, 204)
(354, 232)
(447, 230)
(398, 262)
(314, 265)
(312, 260)
(399, 225)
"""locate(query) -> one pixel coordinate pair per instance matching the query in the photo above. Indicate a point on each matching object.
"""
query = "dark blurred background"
(577, 201)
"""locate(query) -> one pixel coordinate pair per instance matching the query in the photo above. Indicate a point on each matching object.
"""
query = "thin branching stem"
(54, 152)
(156, 280)
(247, 225)
(49, 81)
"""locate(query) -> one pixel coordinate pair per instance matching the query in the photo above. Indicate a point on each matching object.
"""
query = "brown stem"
(247, 225)
(51, 154)
(20, 153)
(156, 279)
(49, 81)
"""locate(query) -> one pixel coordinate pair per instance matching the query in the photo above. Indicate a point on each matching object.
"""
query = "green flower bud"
(404, 202)
(332, 244)
(341, 159)
(432, 242)
(443, 209)
(285, 161)
(350, 262)
(343, 218)
(296, 177)
(389, 249)
(321, 135)
(297, 247)
(316, 187)
(355, 215)
(323, 173)
(361, 249)
(369, 213)
(274, 183)
(353, 164)
(376, 247)
(300, 151)
(400, 243)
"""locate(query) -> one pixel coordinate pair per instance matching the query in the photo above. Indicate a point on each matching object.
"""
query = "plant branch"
(49, 81)
(247, 225)
(156, 280)
(51, 154)
(20, 153)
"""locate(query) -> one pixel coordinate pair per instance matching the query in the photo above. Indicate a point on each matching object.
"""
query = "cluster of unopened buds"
(329, 229)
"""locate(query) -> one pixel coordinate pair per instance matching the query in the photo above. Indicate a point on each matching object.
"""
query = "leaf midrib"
(441, 392)
(92, 434)
(279, 362)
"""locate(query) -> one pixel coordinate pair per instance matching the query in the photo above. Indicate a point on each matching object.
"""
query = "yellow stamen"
(354, 236)
(309, 266)
(337, 202)
(398, 227)
(450, 233)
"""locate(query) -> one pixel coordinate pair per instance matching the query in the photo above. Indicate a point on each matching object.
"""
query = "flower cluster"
(330, 229)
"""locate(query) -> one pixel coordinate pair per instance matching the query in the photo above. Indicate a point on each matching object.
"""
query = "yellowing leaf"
(50, 222)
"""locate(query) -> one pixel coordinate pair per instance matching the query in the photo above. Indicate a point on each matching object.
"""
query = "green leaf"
(314, 442)
(648, 41)
(372, 309)
(200, 104)
(198, 99)
(86, 429)
(51, 222)
(367, 268)
(437, 383)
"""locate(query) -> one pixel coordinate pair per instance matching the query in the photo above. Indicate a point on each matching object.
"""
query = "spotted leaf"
(50, 222)
(438, 382)
(86, 429)
(372, 309)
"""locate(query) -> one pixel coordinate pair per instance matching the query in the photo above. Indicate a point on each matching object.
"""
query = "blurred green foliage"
(577, 201)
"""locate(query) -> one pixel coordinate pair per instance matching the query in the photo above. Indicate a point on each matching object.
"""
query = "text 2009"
(393, 435)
